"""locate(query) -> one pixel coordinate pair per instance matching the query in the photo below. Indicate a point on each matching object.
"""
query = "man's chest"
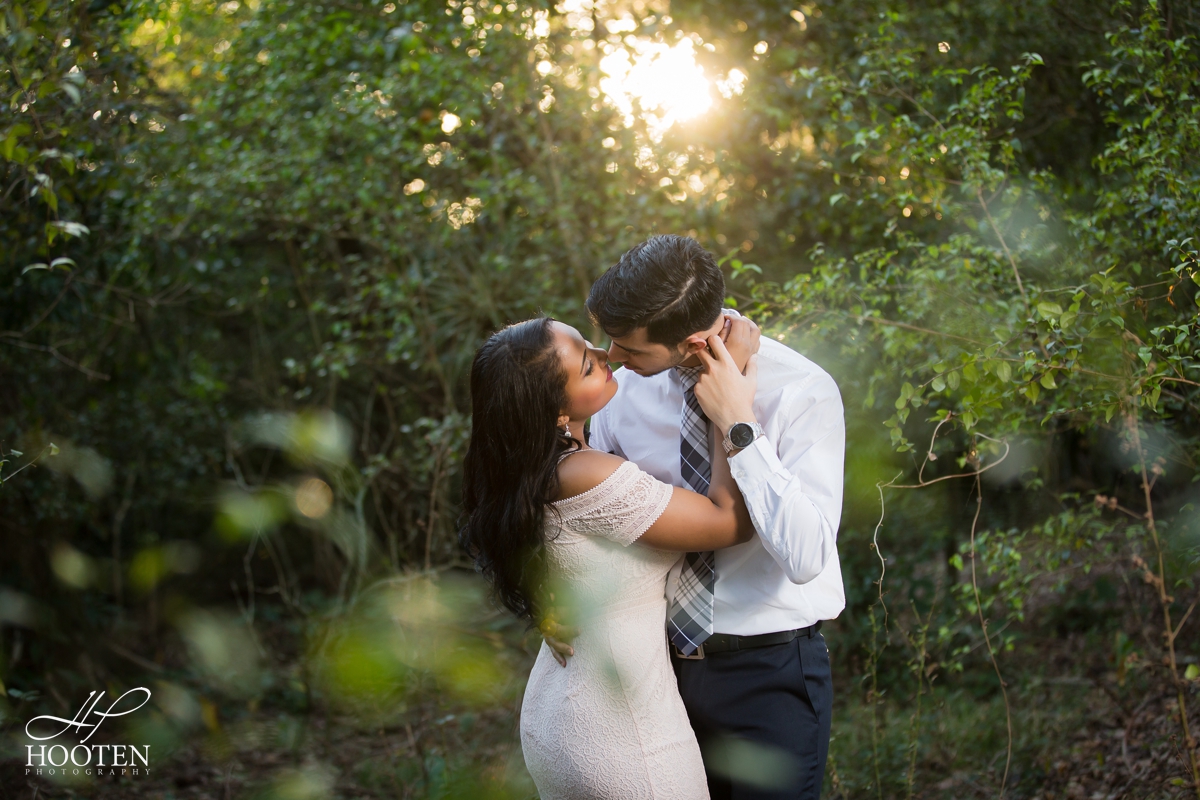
(646, 430)
(647, 434)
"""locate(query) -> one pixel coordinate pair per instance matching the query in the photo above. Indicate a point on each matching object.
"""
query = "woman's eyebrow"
(583, 365)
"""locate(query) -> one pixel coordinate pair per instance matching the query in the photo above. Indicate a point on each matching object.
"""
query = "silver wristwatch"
(741, 435)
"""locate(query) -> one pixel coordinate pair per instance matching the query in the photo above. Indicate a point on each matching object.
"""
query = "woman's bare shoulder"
(584, 471)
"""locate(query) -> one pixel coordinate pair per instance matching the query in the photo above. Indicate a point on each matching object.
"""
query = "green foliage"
(72, 95)
(1002, 307)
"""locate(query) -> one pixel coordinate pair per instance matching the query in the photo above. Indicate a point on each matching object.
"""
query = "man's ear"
(699, 341)
(694, 344)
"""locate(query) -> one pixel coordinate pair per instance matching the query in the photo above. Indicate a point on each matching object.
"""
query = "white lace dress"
(611, 724)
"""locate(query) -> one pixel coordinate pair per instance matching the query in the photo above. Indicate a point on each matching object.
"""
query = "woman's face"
(590, 383)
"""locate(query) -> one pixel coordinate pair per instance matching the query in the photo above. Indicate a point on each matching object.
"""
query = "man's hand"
(725, 394)
(741, 337)
(558, 639)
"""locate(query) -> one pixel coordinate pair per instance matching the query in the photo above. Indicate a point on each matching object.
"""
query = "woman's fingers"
(558, 637)
(743, 335)
(724, 392)
(559, 649)
(741, 338)
(719, 350)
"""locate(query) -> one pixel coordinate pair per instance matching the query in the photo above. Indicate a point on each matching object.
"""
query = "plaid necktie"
(690, 619)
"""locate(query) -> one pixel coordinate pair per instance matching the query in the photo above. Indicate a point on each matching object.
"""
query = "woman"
(550, 521)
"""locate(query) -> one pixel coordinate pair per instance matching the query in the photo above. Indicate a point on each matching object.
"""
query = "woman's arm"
(690, 522)
(694, 522)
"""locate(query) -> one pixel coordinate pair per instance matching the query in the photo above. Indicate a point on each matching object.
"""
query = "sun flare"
(664, 81)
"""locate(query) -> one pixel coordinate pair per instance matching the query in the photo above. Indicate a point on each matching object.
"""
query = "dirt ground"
(1129, 754)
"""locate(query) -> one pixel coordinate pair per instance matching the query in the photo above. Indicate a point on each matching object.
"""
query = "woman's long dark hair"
(518, 391)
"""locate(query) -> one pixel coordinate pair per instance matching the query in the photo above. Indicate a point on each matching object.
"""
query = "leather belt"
(728, 643)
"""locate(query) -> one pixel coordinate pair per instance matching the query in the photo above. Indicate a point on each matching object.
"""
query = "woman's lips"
(609, 373)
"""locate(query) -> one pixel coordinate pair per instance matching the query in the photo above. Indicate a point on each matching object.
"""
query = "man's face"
(644, 357)
(639, 354)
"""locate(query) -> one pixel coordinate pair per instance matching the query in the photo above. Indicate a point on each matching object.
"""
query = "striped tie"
(690, 620)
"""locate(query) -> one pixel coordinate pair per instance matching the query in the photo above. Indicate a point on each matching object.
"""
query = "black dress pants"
(762, 718)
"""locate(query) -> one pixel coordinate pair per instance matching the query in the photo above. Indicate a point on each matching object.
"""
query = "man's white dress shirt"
(788, 576)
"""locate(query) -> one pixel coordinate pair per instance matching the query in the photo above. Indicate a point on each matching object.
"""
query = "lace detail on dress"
(611, 725)
(620, 508)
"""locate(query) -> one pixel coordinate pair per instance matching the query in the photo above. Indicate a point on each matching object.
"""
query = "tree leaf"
(70, 228)
(1049, 310)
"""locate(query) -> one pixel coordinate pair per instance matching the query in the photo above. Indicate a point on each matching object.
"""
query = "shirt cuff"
(755, 463)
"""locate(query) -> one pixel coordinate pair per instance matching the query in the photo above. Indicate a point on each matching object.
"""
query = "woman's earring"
(567, 429)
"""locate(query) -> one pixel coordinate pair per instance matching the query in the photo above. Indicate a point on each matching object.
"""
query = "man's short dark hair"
(668, 284)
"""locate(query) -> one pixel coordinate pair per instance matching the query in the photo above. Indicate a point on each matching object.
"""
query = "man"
(743, 624)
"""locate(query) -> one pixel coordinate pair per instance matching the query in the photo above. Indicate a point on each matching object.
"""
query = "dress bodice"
(588, 540)
(610, 725)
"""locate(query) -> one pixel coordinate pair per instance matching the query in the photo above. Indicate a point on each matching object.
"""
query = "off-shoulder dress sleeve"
(620, 508)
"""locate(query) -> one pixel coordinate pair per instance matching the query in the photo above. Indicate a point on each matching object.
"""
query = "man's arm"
(793, 487)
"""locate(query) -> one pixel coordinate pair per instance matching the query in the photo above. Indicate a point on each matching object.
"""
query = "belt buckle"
(696, 656)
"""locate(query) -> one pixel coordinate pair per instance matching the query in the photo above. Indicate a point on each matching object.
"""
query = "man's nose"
(612, 353)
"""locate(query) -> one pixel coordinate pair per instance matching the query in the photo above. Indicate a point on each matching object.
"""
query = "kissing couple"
(689, 538)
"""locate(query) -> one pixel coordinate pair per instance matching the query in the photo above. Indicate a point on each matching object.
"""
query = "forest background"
(247, 250)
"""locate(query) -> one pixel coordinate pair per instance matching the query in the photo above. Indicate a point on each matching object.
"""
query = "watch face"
(741, 435)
